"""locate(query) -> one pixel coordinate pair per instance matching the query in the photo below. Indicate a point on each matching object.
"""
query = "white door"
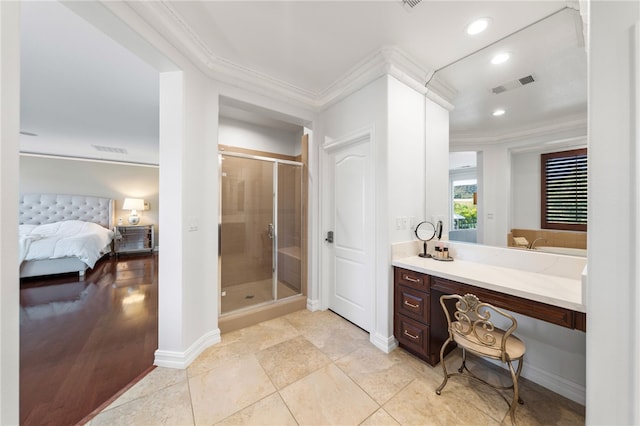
(350, 217)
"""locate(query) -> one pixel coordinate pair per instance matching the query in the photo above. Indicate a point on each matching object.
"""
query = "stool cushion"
(515, 348)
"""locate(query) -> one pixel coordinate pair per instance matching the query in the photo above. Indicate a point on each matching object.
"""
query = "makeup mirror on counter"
(425, 231)
(506, 114)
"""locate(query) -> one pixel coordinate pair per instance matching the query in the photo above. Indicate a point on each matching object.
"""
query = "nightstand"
(133, 239)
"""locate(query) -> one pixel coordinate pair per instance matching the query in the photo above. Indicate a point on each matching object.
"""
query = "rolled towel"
(521, 242)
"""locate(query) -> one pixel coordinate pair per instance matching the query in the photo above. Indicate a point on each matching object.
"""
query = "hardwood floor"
(82, 341)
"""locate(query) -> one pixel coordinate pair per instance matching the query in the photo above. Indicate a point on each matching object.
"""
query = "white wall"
(556, 357)
(200, 209)
(613, 327)
(261, 138)
(9, 287)
(407, 161)
(525, 201)
(494, 196)
(100, 179)
(365, 109)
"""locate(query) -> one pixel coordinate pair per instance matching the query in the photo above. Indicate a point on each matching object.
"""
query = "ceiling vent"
(410, 4)
(110, 149)
(513, 84)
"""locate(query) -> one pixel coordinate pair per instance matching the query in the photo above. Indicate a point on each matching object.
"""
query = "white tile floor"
(318, 369)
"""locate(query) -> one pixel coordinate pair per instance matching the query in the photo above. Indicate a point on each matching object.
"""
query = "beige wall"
(117, 181)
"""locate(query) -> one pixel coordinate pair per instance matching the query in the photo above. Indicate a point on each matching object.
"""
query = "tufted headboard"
(38, 209)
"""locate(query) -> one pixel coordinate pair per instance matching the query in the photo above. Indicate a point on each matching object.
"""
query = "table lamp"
(133, 204)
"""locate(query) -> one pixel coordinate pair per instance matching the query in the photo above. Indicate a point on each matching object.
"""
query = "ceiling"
(81, 93)
(80, 89)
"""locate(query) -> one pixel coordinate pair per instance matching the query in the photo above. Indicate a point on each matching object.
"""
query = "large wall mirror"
(507, 114)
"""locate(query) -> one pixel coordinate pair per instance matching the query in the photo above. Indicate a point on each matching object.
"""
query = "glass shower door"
(247, 232)
(289, 220)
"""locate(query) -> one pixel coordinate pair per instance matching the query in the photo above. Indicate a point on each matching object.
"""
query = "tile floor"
(315, 368)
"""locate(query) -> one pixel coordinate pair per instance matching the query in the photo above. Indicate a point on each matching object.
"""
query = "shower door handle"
(271, 235)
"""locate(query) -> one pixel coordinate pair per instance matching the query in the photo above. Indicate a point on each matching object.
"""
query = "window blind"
(564, 190)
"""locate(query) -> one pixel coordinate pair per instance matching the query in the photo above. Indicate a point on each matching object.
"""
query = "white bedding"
(70, 238)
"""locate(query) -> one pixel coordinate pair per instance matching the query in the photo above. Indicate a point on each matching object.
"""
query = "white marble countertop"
(565, 292)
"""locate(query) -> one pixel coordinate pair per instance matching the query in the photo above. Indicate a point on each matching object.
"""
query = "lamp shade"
(133, 204)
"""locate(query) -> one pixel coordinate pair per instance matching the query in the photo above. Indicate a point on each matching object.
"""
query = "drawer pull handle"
(406, 333)
(411, 305)
(413, 280)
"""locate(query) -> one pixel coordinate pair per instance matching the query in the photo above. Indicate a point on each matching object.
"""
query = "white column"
(493, 200)
(612, 327)
(170, 277)
(9, 281)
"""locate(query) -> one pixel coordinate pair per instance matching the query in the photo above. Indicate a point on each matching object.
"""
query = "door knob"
(329, 238)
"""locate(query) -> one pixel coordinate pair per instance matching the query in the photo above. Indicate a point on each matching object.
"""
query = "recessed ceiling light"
(500, 58)
(477, 26)
(498, 112)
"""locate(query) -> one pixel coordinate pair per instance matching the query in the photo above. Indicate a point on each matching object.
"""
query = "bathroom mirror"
(542, 89)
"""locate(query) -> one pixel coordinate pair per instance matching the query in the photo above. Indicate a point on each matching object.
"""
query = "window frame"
(566, 226)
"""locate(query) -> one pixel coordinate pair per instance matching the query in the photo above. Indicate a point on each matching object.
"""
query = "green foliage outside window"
(465, 212)
(468, 213)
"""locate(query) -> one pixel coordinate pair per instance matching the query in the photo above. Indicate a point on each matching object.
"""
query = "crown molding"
(441, 88)
(170, 24)
(388, 60)
(406, 69)
(365, 71)
(545, 132)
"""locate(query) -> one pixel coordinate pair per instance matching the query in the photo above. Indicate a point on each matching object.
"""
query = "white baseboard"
(385, 344)
(181, 360)
(313, 305)
(557, 384)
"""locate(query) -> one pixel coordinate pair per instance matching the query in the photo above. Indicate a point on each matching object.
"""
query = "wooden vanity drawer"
(412, 335)
(530, 308)
(412, 279)
(412, 303)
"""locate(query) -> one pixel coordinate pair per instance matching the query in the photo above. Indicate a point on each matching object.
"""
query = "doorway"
(350, 237)
(261, 230)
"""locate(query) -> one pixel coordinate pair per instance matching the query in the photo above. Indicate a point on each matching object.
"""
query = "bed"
(43, 216)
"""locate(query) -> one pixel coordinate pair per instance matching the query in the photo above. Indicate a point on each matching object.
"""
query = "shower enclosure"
(260, 230)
